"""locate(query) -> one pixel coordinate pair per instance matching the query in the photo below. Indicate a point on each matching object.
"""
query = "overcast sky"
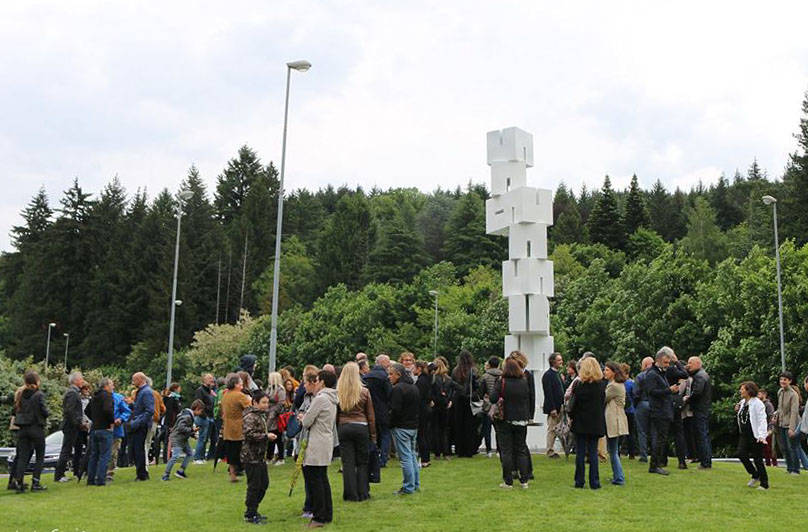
(400, 93)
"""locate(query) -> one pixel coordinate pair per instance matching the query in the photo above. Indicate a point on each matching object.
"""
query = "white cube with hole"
(527, 276)
(526, 205)
(506, 176)
(527, 241)
(510, 144)
(529, 314)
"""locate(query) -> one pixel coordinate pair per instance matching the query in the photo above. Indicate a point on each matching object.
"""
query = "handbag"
(497, 412)
(476, 406)
(12, 425)
(293, 426)
(570, 407)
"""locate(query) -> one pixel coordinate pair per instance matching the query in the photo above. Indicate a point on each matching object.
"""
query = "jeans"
(408, 456)
(69, 438)
(486, 432)
(384, 436)
(137, 441)
(354, 449)
(586, 446)
(613, 444)
(204, 428)
(100, 447)
(746, 446)
(513, 452)
(316, 478)
(176, 451)
(257, 484)
(659, 442)
(629, 441)
(30, 440)
(642, 415)
(803, 458)
(701, 425)
(790, 450)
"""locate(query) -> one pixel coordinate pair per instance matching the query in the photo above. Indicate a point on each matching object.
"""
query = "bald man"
(700, 399)
(642, 409)
(140, 422)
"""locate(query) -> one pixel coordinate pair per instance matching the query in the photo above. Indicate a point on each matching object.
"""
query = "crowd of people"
(365, 413)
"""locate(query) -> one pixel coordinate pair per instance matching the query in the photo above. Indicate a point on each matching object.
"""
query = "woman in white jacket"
(752, 427)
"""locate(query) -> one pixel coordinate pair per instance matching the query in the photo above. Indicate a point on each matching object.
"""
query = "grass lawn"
(458, 495)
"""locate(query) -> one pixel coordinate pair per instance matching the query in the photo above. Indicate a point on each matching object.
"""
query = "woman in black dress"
(464, 379)
(588, 420)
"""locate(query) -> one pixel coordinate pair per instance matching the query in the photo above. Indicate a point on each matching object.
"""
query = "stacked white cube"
(523, 214)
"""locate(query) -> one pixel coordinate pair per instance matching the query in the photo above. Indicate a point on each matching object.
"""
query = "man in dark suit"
(553, 399)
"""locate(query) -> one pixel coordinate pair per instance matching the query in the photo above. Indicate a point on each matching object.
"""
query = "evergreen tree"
(727, 213)
(636, 212)
(398, 254)
(704, 239)
(605, 225)
(567, 226)
(793, 212)
(345, 242)
(431, 222)
(467, 244)
(38, 217)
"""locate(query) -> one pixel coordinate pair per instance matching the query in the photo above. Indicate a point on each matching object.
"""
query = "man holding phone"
(661, 403)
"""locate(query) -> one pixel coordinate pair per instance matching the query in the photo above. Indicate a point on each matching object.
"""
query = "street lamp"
(47, 344)
(300, 66)
(434, 293)
(67, 343)
(184, 196)
(770, 200)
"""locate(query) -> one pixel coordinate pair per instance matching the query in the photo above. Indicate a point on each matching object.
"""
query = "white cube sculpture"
(523, 214)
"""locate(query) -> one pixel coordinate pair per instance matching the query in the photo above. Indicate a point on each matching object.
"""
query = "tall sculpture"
(523, 214)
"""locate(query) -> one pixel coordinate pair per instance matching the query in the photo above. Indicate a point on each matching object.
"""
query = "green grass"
(458, 495)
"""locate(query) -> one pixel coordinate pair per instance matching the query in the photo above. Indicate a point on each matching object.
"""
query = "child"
(254, 455)
(183, 429)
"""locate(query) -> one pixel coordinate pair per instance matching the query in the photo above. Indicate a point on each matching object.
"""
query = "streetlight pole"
(769, 200)
(300, 66)
(67, 344)
(435, 348)
(183, 196)
(47, 344)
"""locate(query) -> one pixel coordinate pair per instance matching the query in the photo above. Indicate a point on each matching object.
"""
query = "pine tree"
(605, 225)
(636, 213)
(431, 222)
(397, 255)
(704, 239)
(38, 217)
(793, 212)
(345, 242)
(567, 226)
(728, 214)
(234, 183)
(467, 244)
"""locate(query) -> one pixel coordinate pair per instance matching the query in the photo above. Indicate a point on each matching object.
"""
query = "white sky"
(400, 94)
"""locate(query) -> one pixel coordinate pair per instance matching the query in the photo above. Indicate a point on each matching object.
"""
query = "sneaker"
(490, 454)
(659, 471)
(793, 472)
(36, 486)
(307, 515)
(525, 485)
(506, 486)
(63, 479)
(752, 483)
(762, 488)
(554, 456)
(164, 477)
(402, 492)
(180, 474)
(279, 462)
(254, 520)
(199, 462)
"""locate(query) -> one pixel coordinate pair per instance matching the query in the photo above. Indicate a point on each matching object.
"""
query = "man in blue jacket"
(122, 414)
(139, 423)
(553, 399)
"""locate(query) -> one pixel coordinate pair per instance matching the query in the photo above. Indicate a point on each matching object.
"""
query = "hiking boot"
(36, 486)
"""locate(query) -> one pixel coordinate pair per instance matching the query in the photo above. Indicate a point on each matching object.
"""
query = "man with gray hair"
(72, 424)
(642, 410)
(661, 408)
(700, 400)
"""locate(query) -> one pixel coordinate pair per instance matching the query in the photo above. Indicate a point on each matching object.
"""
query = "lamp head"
(178, 302)
(186, 194)
(301, 65)
(433, 293)
(67, 335)
(51, 324)
(768, 200)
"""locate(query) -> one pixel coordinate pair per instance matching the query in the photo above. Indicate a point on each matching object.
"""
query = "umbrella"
(298, 465)
(562, 431)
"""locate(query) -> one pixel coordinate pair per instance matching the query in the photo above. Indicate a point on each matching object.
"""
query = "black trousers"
(659, 442)
(137, 441)
(320, 490)
(424, 435)
(30, 439)
(69, 441)
(688, 424)
(513, 452)
(257, 484)
(465, 429)
(354, 449)
(748, 446)
(440, 432)
(677, 431)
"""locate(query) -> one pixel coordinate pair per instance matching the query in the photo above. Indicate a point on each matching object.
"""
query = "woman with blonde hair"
(442, 394)
(588, 420)
(356, 427)
(277, 397)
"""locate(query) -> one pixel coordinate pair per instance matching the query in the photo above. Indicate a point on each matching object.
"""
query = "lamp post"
(184, 196)
(434, 293)
(67, 344)
(769, 200)
(300, 66)
(47, 344)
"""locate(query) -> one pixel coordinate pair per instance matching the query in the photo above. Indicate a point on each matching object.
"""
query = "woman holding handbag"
(510, 412)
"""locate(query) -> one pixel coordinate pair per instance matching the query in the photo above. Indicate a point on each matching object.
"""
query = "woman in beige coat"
(616, 421)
